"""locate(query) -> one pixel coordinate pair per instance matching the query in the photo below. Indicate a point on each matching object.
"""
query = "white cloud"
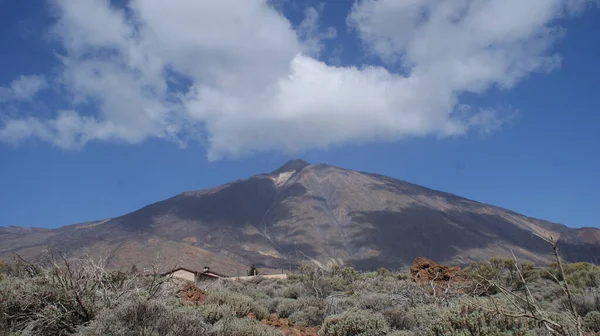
(23, 88)
(238, 77)
(310, 33)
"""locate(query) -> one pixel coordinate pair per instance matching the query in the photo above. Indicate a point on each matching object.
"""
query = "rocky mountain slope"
(306, 213)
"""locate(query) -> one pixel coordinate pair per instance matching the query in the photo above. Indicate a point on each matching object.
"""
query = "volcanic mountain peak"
(302, 212)
(292, 165)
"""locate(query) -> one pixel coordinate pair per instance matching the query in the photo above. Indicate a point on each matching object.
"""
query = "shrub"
(293, 291)
(591, 321)
(255, 293)
(212, 313)
(287, 307)
(308, 316)
(375, 301)
(402, 275)
(355, 323)
(399, 292)
(349, 274)
(381, 271)
(260, 311)
(243, 327)
(397, 319)
(320, 284)
(3, 268)
(471, 319)
(401, 333)
(271, 304)
(241, 305)
(579, 275)
(337, 305)
(583, 304)
(38, 306)
(146, 318)
(422, 317)
(502, 272)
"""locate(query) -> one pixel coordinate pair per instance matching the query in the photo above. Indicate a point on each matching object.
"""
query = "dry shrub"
(471, 318)
(287, 307)
(56, 301)
(241, 305)
(591, 322)
(583, 303)
(37, 306)
(400, 293)
(376, 301)
(401, 333)
(270, 304)
(398, 319)
(501, 271)
(338, 304)
(293, 291)
(308, 316)
(355, 323)
(147, 318)
(580, 275)
(213, 313)
(242, 327)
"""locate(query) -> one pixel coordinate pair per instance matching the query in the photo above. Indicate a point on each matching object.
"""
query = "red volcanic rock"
(425, 270)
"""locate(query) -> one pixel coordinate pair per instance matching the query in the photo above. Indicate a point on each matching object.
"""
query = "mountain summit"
(292, 165)
(303, 213)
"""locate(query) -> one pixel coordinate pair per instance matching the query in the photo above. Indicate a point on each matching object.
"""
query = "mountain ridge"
(302, 213)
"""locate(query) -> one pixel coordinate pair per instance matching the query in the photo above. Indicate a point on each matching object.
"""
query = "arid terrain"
(306, 213)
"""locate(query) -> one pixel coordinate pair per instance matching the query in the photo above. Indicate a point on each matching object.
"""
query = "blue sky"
(105, 108)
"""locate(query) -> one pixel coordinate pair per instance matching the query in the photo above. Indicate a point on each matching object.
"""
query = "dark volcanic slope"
(300, 213)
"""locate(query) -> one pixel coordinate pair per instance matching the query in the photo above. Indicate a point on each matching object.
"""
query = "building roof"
(179, 269)
(215, 274)
(208, 273)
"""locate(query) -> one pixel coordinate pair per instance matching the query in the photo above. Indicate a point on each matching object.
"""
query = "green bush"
(381, 271)
(583, 304)
(591, 321)
(260, 311)
(39, 306)
(271, 304)
(355, 323)
(349, 274)
(579, 275)
(307, 316)
(287, 307)
(401, 333)
(213, 313)
(146, 318)
(375, 301)
(338, 305)
(398, 319)
(240, 305)
(500, 271)
(36, 301)
(243, 327)
(3, 268)
(255, 293)
(471, 319)
(422, 317)
(293, 291)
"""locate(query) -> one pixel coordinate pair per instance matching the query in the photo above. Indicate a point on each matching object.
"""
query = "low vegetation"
(497, 297)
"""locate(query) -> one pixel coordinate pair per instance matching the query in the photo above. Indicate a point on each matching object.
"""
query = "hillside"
(300, 213)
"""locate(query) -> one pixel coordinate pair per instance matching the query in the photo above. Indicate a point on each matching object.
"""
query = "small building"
(191, 275)
(281, 276)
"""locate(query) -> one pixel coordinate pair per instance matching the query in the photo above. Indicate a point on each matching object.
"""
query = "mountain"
(306, 213)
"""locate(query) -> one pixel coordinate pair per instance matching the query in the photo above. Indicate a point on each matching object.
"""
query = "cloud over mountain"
(239, 77)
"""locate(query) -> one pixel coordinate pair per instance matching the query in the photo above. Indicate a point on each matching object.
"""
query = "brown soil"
(191, 293)
(287, 329)
(425, 270)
